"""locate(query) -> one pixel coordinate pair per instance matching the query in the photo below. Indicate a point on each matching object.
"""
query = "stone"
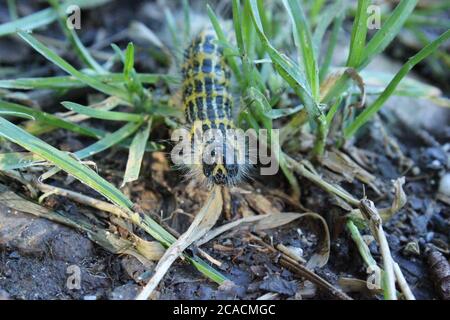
(128, 291)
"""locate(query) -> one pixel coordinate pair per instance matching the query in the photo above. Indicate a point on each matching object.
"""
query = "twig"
(302, 270)
(361, 245)
(402, 283)
(176, 234)
(282, 248)
(303, 171)
(80, 198)
(202, 223)
(373, 217)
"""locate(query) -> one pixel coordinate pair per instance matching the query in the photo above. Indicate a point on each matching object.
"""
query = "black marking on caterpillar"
(208, 103)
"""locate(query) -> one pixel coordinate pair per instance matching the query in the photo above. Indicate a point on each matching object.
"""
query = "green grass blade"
(17, 160)
(332, 111)
(361, 55)
(16, 114)
(287, 69)
(249, 32)
(337, 25)
(390, 28)
(368, 113)
(84, 53)
(260, 107)
(303, 40)
(172, 27)
(103, 144)
(108, 140)
(38, 128)
(316, 8)
(60, 62)
(139, 97)
(377, 81)
(70, 82)
(64, 161)
(284, 112)
(221, 37)
(118, 52)
(325, 19)
(129, 61)
(12, 9)
(136, 154)
(35, 20)
(44, 17)
(359, 34)
(73, 38)
(101, 114)
(89, 177)
(237, 23)
(47, 118)
(187, 19)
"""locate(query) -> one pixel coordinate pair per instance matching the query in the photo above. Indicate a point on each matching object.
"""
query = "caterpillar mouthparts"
(208, 104)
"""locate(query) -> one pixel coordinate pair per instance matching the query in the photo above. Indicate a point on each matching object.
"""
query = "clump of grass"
(307, 75)
(126, 89)
(262, 71)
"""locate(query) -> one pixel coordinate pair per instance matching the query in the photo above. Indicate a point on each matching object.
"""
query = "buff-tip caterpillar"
(217, 157)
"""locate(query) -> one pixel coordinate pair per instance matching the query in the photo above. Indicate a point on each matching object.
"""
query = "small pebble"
(435, 165)
(4, 295)
(412, 248)
(444, 184)
(433, 159)
(415, 171)
(14, 255)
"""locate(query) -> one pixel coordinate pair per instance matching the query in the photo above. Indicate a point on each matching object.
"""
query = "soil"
(37, 256)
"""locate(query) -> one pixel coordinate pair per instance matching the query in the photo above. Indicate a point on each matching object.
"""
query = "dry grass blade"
(341, 163)
(144, 251)
(333, 78)
(270, 221)
(398, 202)
(357, 285)
(402, 283)
(202, 223)
(372, 215)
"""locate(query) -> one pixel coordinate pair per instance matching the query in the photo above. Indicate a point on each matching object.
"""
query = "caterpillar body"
(208, 105)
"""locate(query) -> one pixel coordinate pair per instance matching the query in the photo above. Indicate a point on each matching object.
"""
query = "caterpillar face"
(208, 103)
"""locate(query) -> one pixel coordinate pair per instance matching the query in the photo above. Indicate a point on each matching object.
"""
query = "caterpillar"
(208, 108)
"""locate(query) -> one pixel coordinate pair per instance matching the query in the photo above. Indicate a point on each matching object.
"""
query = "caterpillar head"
(223, 163)
(214, 157)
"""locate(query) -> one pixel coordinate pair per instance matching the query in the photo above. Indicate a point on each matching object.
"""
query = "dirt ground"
(37, 256)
